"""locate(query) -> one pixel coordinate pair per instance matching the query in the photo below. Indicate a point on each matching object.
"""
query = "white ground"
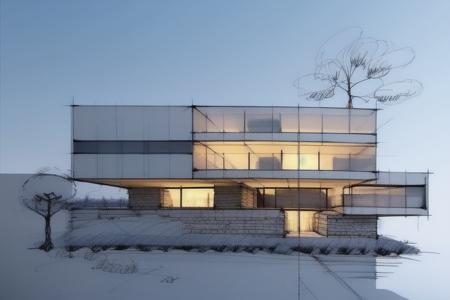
(33, 274)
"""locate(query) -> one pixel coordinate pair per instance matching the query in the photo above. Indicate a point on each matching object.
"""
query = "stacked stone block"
(145, 198)
(234, 196)
(330, 223)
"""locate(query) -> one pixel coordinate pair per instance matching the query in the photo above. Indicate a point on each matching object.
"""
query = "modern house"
(246, 170)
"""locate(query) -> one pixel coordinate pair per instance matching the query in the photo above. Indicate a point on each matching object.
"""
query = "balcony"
(385, 200)
(284, 123)
(283, 160)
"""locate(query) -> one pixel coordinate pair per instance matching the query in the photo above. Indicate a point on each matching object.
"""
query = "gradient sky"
(206, 52)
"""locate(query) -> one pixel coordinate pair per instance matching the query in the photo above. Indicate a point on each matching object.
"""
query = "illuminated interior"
(283, 156)
(284, 119)
(292, 221)
(313, 198)
(188, 197)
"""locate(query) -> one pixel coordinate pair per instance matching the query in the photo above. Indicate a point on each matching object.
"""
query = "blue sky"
(208, 52)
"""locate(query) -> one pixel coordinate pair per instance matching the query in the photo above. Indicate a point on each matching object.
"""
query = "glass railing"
(283, 120)
(386, 197)
(283, 161)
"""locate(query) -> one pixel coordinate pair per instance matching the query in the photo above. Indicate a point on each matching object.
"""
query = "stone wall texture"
(144, 198)
(234, 196)
(253, 222)
(333, 224)
(191, 221)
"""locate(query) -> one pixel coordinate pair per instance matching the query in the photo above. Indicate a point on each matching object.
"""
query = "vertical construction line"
(72, 108)
(298, 200)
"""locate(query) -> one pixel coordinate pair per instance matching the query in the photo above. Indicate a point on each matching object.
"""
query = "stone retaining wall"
(331, 223)
(182, 221)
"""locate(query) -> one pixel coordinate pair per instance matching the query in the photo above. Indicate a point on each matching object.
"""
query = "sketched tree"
(358, 66)
(46, 194)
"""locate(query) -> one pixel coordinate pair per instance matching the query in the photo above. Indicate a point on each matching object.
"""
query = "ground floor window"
(188, 197)
(296, 220)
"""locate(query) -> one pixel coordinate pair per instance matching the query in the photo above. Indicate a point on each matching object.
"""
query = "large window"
(188, 197)
(385, 196)
(284, 119)
(299, 220)
(283, 156)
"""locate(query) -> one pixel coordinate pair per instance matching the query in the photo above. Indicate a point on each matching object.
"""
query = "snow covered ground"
(179, 274)
(130, 274)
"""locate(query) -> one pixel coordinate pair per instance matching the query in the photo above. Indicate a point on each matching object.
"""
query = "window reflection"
(188, 197)
(283, 156)
(284, 119)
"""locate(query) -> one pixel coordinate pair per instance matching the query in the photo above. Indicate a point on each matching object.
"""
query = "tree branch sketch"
(47, 194)
(357, 66)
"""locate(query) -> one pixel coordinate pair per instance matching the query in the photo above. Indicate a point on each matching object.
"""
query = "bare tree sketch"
(47, 194)
(357, 66)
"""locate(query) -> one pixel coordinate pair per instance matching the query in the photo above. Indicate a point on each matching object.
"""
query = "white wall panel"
(110, 166)
(158, 166)
(132, 123)
(304, 137)
(180, 123)
(157, 121)
(384, 211)
(180, 166)
(132, 166)
(402, 178)
(335, 175)
(85, 166)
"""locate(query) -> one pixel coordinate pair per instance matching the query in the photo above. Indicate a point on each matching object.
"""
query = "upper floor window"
(283, 120)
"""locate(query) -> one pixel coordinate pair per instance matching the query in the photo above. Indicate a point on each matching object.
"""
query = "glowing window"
(197, 197)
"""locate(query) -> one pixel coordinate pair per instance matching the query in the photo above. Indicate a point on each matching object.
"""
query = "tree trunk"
(349, 94)
(48, 244)
(350, 101)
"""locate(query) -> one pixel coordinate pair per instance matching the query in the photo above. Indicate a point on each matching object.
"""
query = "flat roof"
(222, 106)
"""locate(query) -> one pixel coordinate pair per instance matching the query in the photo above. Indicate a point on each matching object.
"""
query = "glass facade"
(188, 197)
(299, 221)
(284, 119)
(283, 156)
(385, 196)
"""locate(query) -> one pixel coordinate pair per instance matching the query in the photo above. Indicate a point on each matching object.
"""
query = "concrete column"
(144, 198)
(234, 196)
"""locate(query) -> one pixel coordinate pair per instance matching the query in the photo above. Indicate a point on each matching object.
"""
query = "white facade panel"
(250, 136)
(402, 178)
(384, 211)
(156, 121)
(349, 138)
(157, 166)
(132, 123)
(85, 166)
(133, 166)
(86, 120)
(335, 175)
(180, 123)
(180, 166)
(111, 166)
